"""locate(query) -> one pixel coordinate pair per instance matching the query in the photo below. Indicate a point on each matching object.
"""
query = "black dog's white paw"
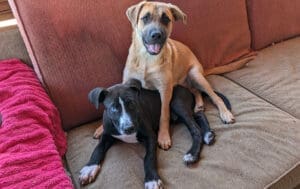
(189, 159)
(88, 174)
(155, 184)
(209, 137)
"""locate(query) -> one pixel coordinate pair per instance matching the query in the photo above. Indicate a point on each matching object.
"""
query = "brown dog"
(160, 62)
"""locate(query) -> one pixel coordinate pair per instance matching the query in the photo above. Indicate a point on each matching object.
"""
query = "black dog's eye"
(165, 19)
(147, 18)
(113, 109)
(129, 104)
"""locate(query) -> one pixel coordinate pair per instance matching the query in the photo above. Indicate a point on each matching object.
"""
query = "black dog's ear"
(97, 96)
(133, 13)
(177, 13)
(134, 84)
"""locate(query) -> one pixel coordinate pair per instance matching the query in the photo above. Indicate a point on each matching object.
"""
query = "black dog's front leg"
(89, 172)
(152, 179)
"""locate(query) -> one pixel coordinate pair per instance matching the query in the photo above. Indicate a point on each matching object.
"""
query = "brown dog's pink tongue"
(154, 48)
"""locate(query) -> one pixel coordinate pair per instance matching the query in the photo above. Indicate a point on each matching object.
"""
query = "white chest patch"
(127, 138)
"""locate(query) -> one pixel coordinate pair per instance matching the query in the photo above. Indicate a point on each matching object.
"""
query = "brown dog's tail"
(231, 67)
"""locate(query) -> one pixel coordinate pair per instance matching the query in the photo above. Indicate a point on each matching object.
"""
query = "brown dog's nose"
(156, 35)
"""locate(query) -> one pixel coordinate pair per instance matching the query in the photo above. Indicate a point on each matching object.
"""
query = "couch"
(75, 46)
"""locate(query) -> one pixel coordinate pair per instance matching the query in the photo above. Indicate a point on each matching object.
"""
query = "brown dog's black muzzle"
(154, 40)
(155, 36)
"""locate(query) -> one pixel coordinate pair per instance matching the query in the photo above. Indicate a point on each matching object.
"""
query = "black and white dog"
(132, 115)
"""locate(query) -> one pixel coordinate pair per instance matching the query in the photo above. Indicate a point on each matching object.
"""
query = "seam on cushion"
(250, 21)
(260, 97)
(283, 175)
(28, 43)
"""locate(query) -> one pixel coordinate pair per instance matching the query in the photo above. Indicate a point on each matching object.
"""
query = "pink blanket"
(31, 139)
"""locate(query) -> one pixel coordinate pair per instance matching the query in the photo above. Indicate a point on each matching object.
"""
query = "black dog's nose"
(129, 130)
(156, 35)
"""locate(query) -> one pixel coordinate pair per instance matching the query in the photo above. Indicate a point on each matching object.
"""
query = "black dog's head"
(153, 22)
(120, 105)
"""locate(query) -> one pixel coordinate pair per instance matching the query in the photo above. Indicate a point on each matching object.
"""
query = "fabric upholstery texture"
(216, 41)
(273, 21)
(76, 46)
(288, 179)
(274, 76)
(12, 46)
(251, 153)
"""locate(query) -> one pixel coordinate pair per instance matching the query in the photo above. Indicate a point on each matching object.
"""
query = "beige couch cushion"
(12, 46)
(262, 145)
(274, 76)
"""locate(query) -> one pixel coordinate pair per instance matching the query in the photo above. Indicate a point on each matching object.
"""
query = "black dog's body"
(143, 106)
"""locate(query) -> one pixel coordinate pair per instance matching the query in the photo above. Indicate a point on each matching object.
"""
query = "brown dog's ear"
(177, 13)
(97, 96)
(133, 12)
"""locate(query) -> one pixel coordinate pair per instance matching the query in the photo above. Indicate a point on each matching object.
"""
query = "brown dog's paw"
(198, 109)
(98, 132)
(227, 117)
(164, 140)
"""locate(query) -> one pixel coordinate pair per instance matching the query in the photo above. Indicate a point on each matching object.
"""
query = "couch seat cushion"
(262, 145)
(274, 76)
(12, 46)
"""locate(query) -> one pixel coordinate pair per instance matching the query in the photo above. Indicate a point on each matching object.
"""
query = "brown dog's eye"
(165, 19)
(147, 18)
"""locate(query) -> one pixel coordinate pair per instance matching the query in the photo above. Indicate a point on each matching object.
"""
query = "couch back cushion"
(273, 21)
(217, 31)
(77, 45)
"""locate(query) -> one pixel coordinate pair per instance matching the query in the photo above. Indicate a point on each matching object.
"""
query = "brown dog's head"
(152, 22)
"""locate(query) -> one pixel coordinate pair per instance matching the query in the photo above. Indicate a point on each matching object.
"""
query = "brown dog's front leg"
(164, 139)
